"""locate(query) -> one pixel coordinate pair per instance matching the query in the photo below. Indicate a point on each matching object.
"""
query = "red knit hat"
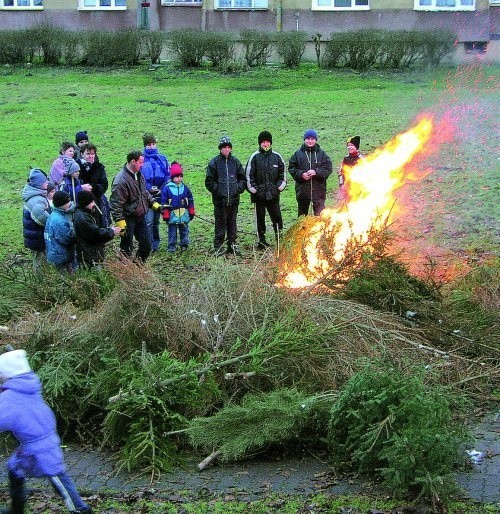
(176, 170)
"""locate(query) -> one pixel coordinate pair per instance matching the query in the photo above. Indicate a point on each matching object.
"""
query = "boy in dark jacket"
(310, 167)
(178, 208)
(265, 180)
(225, 179)
(350, 160)
(31, 421)
(91, 235)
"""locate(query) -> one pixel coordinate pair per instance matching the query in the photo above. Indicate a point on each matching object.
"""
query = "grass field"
(188, 111)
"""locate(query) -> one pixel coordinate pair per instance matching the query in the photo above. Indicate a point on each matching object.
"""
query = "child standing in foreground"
(178, 208)
(24, 413)
(349, 161)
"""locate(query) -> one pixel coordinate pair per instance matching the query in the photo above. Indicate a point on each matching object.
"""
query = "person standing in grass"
(58, 168)
(156, 173)
(266, 178)
(24, 413)
(91, 235)
(59, 234)
(178, 208)
(36, 195)
(225, 179)
(310, 167)
(93, 172)
(71, 181)
(350, 160)
(130, 200)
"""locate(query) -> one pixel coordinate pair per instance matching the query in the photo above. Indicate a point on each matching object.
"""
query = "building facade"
(474, 21)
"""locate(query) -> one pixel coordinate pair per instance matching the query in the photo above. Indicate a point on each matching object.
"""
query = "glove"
(156, 206)
(122, 224)
(191, 213)
(166, 214)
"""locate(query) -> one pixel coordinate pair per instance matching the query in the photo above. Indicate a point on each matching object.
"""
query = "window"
(181, 2)
(475, 47)
(21, 4)
(340, 5)
(93, 5)
(445, 5)
(241, 4)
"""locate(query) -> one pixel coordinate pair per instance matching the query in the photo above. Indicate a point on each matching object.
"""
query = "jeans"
(273, 208)
(153, 223)
(225, 222)
(62, 483)
(172, 236)
(136, 227)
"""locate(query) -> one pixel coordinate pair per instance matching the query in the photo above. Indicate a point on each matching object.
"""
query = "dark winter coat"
(91, 237)
(265, 173)
(304, 159)
(129, 195)
(60, 238)
(95, 175)
(35, 214)
(225, 179)
(71, 185)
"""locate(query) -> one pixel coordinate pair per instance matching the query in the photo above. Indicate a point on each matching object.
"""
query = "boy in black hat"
(350, 160)
(225, 179)
(265, 172)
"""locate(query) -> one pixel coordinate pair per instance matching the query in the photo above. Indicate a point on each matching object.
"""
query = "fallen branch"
(205, 462)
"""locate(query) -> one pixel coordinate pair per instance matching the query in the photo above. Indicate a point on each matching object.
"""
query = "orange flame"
(370, 187)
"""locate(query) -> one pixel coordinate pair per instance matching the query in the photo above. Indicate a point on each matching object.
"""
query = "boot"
(17, 495)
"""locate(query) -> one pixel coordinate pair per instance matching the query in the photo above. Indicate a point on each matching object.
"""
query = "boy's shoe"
(263, 245)
(184, 248)
(234, 249)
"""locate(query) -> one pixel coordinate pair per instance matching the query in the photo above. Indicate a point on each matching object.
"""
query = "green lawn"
(190, 110)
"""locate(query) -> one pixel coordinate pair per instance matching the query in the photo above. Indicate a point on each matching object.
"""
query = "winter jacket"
(57, 170)
(60, 238)
(129, 195)
(35, 214)
(91, 237)
(71, 185)
(179, 200)
(348, 161)
(225, 179)
(265, 173)
(95, 175)
(304, 159)
(156, 171)
(24, 413)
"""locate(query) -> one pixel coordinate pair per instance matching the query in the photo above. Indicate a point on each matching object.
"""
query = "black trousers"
(303, 206)
(273, 208)
(225, 223)
(136, 226)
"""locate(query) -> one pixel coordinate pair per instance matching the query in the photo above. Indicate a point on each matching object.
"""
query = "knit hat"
(14, 363)
(81, 136)
(60, 198)
(70, 166)
(225, 141)
(355, 141)
(175, 170)
(84, 198)
(37, 178)
(310, 133)
(50, 187)
(148, 139)
(265, 136)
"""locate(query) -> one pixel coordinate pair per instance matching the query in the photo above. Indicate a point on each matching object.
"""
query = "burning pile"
(320, 246)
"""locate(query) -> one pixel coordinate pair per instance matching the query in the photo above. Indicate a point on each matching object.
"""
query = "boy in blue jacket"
(178, 208)
(24, 413)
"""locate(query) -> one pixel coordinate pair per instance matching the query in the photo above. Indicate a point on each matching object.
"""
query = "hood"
(27, 383)
(30, 191)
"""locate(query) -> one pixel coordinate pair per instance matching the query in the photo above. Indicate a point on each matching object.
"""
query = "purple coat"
(24, 413)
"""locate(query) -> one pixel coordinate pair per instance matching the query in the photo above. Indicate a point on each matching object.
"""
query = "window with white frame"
(181, 2)
(241, 4)
(445, 5)
(340, 5)
(21, 4)
(94, 5)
